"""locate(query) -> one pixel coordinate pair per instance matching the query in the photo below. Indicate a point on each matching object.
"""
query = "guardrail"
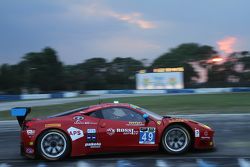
(38, 96)
(127, 91)
(169, 91)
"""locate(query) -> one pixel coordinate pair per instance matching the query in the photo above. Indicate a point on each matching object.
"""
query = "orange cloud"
(227, 44)
(98, 10)
(134, 18)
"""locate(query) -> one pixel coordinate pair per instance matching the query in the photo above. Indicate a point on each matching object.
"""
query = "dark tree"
(43, 70)
(182, 56)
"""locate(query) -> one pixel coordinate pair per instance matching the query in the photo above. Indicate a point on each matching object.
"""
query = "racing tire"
(176, 139)
(53, 145)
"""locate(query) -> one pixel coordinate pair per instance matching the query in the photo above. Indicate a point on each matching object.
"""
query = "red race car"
(108, 127)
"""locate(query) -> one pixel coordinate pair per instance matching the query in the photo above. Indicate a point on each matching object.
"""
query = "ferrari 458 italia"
(107, 128)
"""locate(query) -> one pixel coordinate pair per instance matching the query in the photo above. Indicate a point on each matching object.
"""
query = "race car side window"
(121, 114)
(96, 114)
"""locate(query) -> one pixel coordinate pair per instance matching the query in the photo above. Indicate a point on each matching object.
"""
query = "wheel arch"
(185, 125)
(53, 128)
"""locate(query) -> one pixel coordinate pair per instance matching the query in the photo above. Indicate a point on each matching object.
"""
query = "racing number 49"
(148, 137)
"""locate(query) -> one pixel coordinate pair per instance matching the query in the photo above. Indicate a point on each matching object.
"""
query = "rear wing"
(20, 113)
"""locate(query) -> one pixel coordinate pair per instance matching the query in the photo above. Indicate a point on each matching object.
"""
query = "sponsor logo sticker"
(176, 120)
(78, 119)
(52, 125)
(110, 131)
(91, 130)
(90, 123)
(91, 136)
(29, 150)
(197, 133)
(93, 145)
(30, 132)
(135, 124)
(127, 131)
(75, 133)
(158, 122)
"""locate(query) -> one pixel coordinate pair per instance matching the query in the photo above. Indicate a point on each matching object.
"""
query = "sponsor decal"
(78, 119)
(197, 133)
(176, 120)
(127, 131)
(158, 122)
(29, 150)
(93, 145)
(90, 123)
(91, 130)
(143, 129)
(147, 135)
(52, 125)
(110, 131)
(135, 124)
(30, 132)
(91, 136)
(75, 133)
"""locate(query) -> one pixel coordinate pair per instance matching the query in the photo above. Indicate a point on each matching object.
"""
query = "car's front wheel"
(176, 139)
(53, 145)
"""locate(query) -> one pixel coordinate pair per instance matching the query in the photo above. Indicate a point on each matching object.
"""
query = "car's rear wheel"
(176, 139)
(53, 145)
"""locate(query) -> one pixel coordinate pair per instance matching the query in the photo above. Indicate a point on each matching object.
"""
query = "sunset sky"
(82, 29)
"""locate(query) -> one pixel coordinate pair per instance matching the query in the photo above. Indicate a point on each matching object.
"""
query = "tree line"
(44, 72)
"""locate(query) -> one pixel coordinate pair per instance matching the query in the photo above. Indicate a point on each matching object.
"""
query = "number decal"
(147, 136)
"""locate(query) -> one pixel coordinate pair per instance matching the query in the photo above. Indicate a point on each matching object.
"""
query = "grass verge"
(180, 104)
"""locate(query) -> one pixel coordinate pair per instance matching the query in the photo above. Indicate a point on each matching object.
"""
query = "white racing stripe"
(161, 163)
(202, 163)
(4, 165)
(243, 162)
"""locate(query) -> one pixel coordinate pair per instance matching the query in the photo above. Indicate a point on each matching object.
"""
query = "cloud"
(227, 44)
(98, 10)
(134, 18)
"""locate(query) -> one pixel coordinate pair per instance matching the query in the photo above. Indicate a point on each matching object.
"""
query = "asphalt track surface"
(232, 139)
(45, 102)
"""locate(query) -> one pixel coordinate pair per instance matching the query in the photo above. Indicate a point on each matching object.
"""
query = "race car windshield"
(150, 113)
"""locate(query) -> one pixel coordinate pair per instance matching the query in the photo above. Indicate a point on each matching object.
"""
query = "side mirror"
(146, 117)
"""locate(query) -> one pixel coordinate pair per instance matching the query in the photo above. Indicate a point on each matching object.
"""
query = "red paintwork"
(118, 142)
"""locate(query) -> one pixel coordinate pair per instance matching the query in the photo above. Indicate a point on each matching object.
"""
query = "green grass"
(81, 95)
(180, 104)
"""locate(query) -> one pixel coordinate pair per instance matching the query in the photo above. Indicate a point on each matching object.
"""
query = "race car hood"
(168, 120)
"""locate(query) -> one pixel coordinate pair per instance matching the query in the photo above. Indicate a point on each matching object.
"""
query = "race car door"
(123, 129)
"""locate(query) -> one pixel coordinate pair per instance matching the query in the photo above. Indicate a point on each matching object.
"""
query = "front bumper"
(205, 139)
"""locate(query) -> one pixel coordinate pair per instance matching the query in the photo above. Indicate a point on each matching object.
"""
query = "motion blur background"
(68, 48)
(49, 46)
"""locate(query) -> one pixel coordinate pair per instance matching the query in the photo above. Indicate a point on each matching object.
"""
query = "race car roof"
(90, 108)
